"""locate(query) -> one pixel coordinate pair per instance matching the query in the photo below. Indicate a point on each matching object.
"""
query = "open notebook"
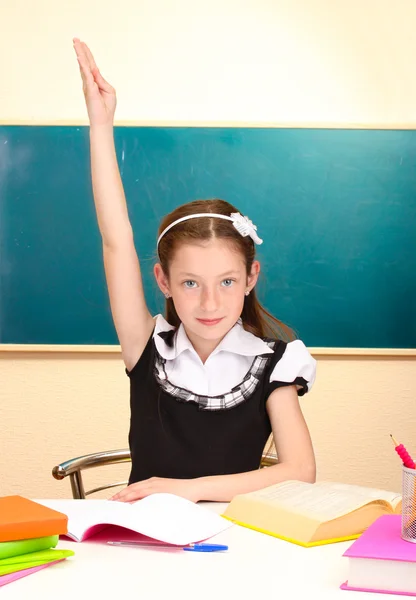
(312, 514)
(164, 517)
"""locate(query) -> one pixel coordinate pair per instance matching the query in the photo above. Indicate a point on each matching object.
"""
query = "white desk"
(256, 566)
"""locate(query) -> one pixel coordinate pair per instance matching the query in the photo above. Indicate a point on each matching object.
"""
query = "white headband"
(243, 225)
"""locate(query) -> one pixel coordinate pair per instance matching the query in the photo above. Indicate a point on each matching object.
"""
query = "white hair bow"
(245, 227)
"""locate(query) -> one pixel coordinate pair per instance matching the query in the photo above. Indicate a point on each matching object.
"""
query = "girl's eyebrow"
(183, 274)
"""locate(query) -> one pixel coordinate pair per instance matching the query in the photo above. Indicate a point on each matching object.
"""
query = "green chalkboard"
(336, 210)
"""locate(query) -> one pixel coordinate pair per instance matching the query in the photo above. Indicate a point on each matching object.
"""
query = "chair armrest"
(89, 461)
(268, 459)
(110, 457)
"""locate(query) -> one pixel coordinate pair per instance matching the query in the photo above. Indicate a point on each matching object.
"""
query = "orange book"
(23, 519)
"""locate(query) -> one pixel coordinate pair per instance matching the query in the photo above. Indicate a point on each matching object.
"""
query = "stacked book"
(29, 533)
(382, 561)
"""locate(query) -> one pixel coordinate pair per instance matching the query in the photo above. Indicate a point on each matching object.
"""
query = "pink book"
(4, 579)
(381, 561)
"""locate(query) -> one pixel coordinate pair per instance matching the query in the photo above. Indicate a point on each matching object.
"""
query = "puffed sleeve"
(295, 367)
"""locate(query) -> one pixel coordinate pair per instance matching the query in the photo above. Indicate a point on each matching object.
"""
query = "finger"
(101, 82)
(76, 42)
(90, 57)
(133, 492)
(86, 53)
(117, 496)
(78, 47)
(86, 74)
(125, 492)
(131, 496)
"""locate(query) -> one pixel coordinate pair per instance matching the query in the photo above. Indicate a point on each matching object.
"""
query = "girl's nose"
(209, 300)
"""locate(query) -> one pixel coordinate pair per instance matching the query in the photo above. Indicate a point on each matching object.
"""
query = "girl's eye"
(190, 284)
(228, 282)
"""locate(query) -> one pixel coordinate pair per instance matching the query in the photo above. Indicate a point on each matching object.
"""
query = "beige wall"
(262, 61)
(55, 407)
(300, 61)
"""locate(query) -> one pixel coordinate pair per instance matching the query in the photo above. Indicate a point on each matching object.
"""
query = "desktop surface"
(255, 566)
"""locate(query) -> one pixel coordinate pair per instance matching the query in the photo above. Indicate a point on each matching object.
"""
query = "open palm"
(100, 96)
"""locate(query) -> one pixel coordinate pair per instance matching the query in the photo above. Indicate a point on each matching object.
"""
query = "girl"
(212, 381)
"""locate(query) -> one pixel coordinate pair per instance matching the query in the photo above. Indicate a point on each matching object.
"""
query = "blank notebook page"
(165, 517)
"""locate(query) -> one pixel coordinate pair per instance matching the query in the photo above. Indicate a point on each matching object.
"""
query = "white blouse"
(228, 364)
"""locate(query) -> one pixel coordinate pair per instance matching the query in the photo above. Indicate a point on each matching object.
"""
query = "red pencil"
(403, 453)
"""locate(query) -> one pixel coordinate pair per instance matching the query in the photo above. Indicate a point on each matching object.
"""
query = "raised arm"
(132, 319)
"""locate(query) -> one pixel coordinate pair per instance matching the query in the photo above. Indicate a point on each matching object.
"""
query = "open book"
(312, 514)
(164, 517)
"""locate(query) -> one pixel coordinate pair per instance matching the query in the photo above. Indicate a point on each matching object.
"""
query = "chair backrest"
(75, 466)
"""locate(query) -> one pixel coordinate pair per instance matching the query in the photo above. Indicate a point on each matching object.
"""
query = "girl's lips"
(209, 321)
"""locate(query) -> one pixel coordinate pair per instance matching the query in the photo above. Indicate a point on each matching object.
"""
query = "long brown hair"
(256, 319)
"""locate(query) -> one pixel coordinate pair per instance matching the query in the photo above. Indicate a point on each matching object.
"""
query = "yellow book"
(311, 514)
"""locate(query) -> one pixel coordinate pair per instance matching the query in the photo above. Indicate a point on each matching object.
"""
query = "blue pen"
(189, 548)
(205, 548)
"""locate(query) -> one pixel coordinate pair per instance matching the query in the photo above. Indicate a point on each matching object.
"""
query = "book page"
(175, 520)
(165, 517)
(369, 493)
(312, 500)
(83, 514)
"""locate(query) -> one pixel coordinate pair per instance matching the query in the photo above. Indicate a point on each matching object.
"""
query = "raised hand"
(100, 96)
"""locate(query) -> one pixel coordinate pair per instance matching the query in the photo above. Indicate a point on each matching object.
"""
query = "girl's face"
(207, 282)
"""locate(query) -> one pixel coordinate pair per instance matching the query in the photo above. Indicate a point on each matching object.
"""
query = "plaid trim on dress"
(236, 396)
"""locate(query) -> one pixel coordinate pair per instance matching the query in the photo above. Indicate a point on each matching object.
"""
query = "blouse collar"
(171, 343)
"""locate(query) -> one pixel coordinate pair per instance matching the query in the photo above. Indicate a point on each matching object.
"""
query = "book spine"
(16, 548)
(11, 532)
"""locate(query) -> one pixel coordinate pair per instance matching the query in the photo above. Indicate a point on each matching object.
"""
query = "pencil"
(403, 453)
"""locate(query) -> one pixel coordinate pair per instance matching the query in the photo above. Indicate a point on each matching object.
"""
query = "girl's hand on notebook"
(186, 488)
(100, 96)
